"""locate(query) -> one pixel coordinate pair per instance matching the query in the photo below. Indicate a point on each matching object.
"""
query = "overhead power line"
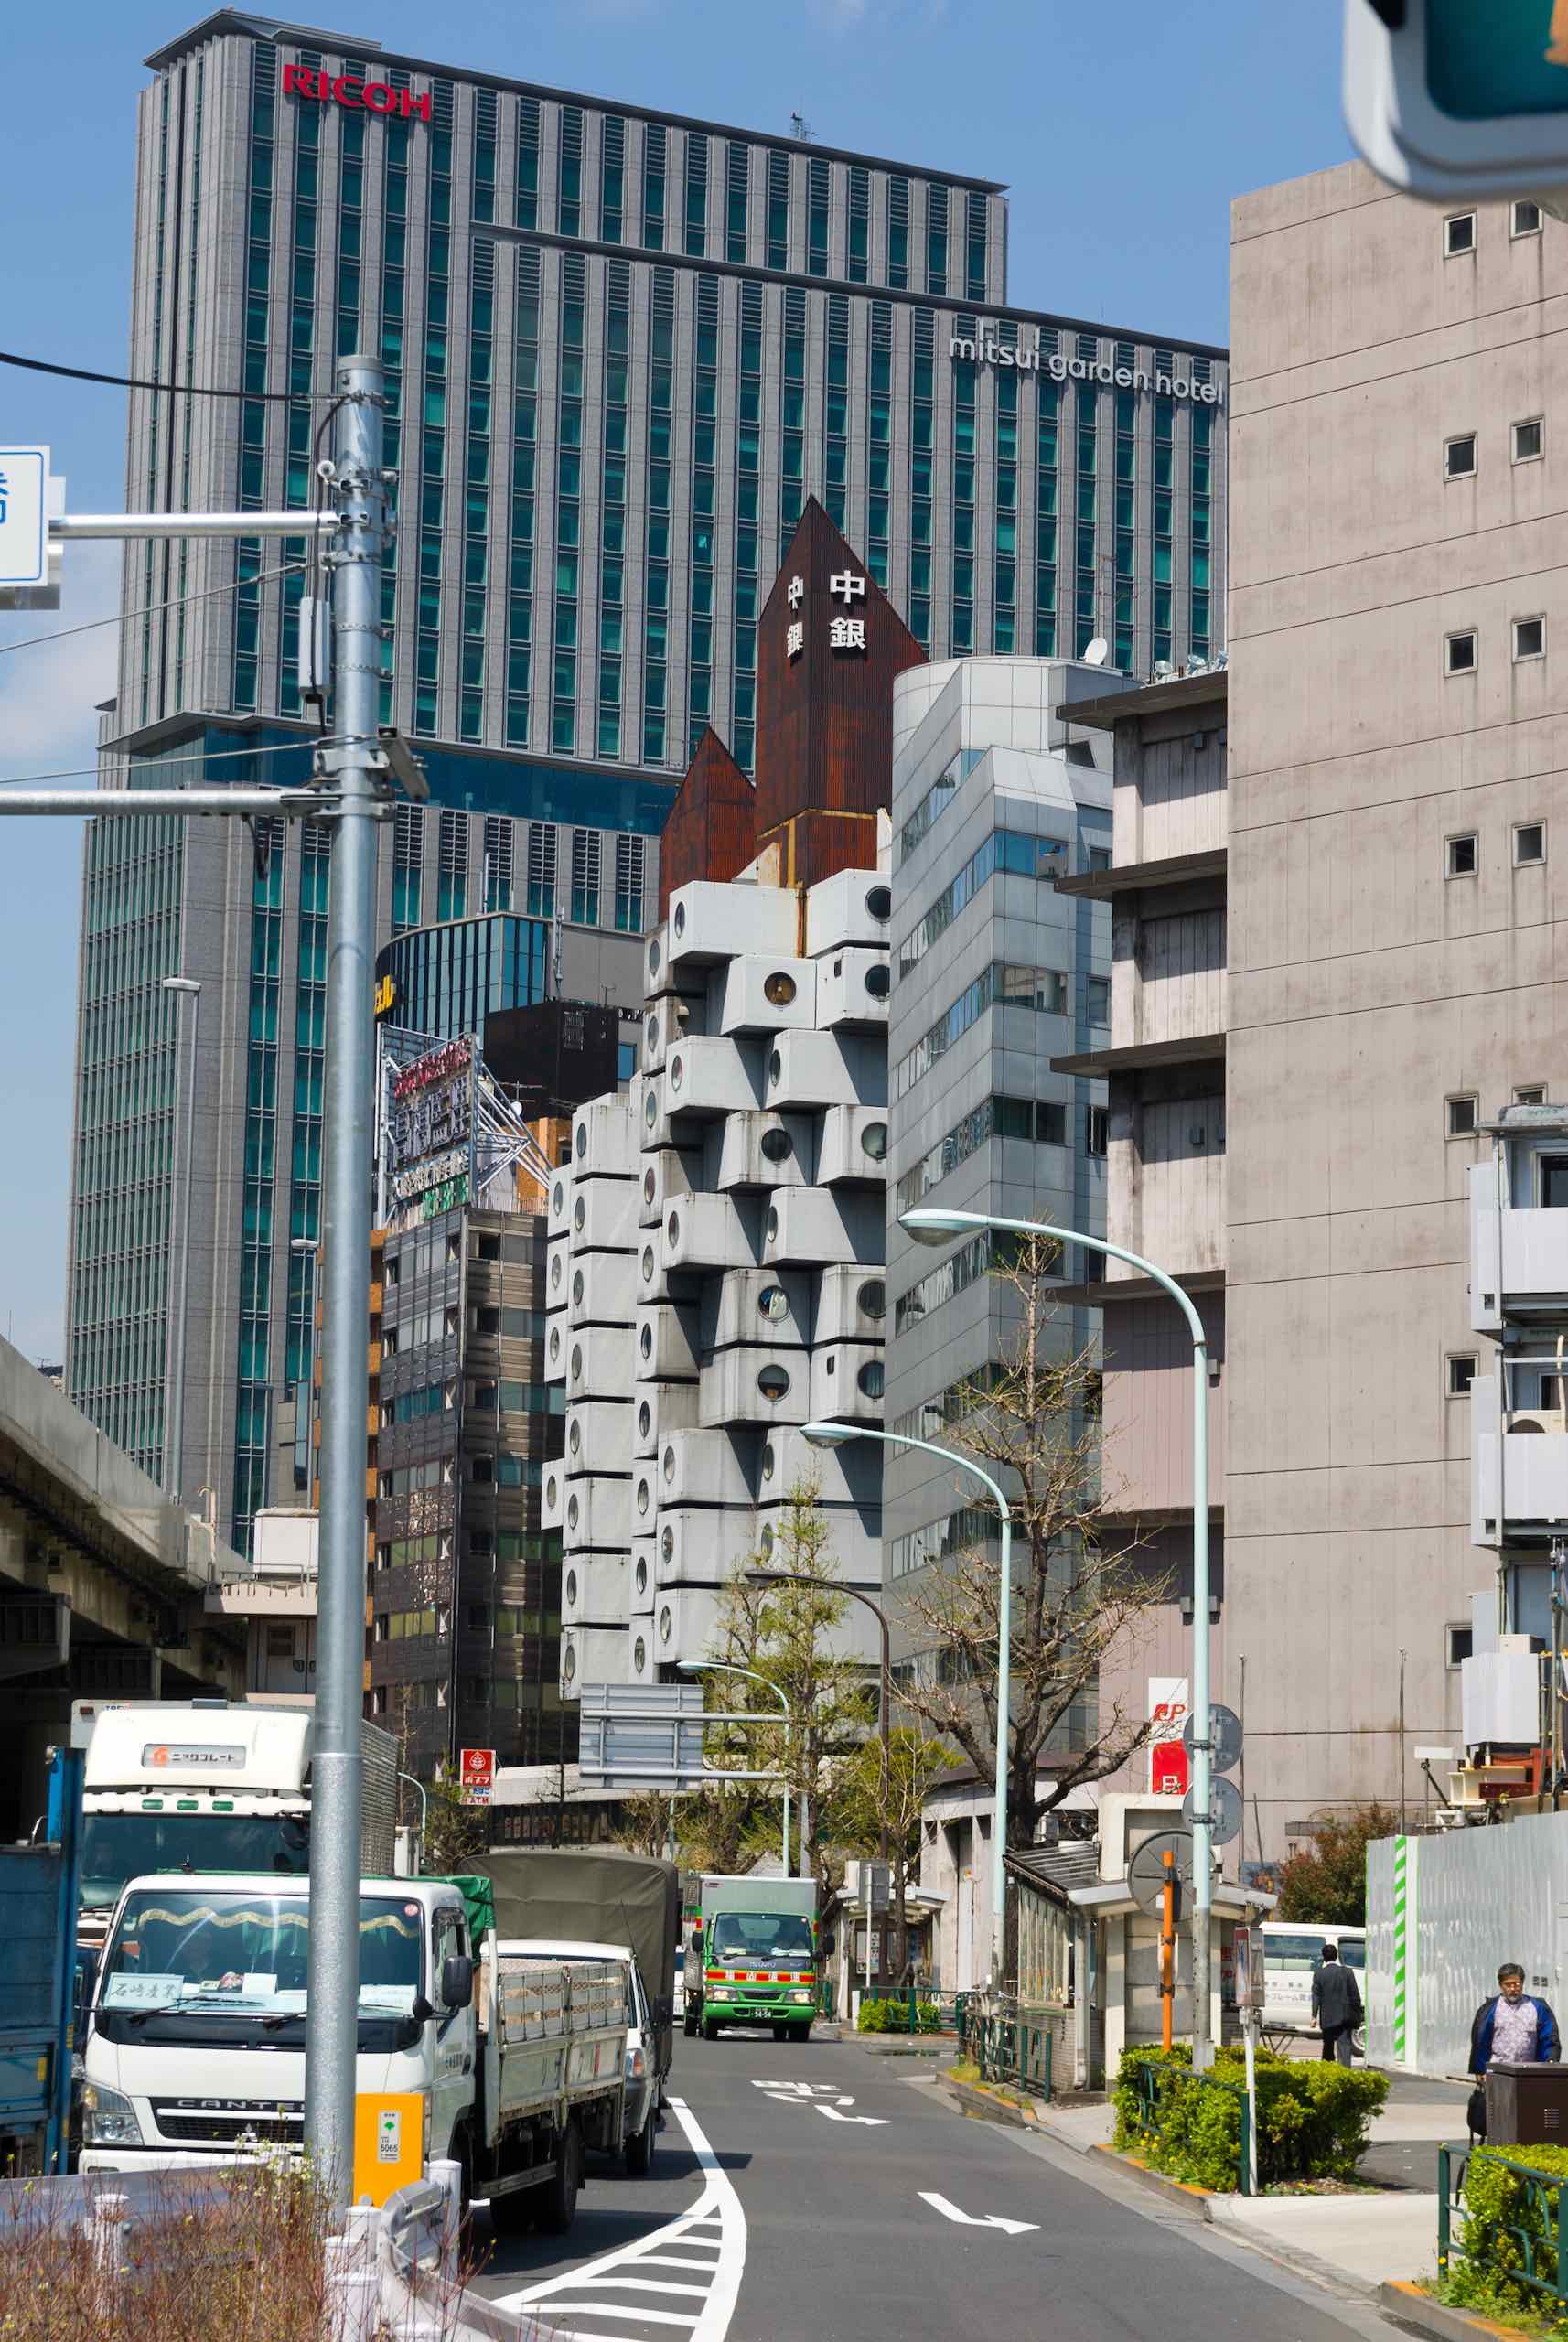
(151, 609)
(174, 390)
(164, 763)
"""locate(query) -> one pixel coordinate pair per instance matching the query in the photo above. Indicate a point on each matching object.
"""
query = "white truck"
(210, 1785)
(195, 2050)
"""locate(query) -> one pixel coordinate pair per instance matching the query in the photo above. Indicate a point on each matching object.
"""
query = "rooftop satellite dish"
(1164, 671)
(1098, 652)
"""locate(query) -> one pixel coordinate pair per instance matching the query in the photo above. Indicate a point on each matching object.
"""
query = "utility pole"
(352, 760)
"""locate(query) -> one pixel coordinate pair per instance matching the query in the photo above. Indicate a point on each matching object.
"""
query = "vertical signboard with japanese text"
(1167, 1759)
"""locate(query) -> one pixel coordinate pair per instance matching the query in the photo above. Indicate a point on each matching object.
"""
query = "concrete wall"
(1367, 987)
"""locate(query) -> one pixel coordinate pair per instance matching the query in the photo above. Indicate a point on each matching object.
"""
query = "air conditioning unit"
(1537, 1419)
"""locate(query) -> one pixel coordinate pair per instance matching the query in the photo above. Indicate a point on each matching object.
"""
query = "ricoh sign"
(347, 89)
(963, 349)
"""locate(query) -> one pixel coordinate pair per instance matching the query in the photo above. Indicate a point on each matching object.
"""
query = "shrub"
(1313, 2118)
(893, 2016)
(1500, 2209)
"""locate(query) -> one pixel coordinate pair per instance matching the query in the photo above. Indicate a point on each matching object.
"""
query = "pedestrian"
(1511, 2029)
(1337, 2006)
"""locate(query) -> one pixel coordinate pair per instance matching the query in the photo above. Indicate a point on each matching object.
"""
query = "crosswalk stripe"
(625, 2309)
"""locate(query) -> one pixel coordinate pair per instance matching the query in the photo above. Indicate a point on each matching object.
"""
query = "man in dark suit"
(1337, 2006)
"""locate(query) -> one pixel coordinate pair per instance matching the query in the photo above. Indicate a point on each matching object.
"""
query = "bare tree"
(1075, 1603)
(860, 1805)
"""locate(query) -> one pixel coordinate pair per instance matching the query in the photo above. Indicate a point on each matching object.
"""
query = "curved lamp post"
(729, 1667)
(839, 1436)
(932, 1225)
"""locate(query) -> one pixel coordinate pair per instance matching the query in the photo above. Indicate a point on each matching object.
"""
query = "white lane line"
(653, 2286)
(717, 2209)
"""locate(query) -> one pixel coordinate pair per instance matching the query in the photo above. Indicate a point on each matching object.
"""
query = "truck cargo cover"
(594, 1894)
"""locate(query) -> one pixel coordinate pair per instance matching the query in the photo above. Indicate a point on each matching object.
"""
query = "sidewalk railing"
(1536, 2253)
(1156, 2083)
(1007, 2042)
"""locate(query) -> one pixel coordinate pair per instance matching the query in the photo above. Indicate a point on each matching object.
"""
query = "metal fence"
(1156, 2083)
(1537, 2235)
(1007, 2042)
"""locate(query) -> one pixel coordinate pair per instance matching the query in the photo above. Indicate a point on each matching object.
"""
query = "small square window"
(1458, 234)
(1526, 440)
(1461, 1375)
(1462, 856)
(1459, 653)
(1530, 843)
(1461, 1117)
(1529, 638)
(1460, 456)
(1534, 1095)
(1461, 1645)
(1524, 219)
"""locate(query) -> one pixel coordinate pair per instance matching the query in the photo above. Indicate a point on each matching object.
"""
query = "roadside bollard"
(106, 2226)
(352, 2301)
(447, 2174)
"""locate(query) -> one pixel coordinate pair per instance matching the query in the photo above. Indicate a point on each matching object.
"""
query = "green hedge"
(1496, 2203)
(1313, 2119)
(893, 2016)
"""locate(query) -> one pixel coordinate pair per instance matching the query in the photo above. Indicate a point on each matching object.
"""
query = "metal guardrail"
(1543, 2267)
(1008, 2042)
(1153, 2080)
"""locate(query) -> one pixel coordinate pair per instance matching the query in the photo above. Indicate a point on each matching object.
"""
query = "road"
(790, 2197)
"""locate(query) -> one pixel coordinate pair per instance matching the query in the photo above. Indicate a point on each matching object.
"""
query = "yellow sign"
(388, 2144)
(386, 995)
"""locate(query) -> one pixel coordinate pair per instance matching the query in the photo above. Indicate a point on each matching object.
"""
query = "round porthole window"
(644, 1420)
(644, 1497)
(648, 1264)
(776, 1066)
(555, 1269)
(777, 1145)
(780, 989)
(871, 1377)
(645, 1341)
(878, 982)
(667, 1546)
(670, 1463)
(558, 1198)
(572, 1512)
(765, 1544)
(677, 1073)
(552, 1489)
(571, 1662)
(874, 1141)
(571, 1589)
(554, 1345)
(575, 1437)
(577, 1362)
(640, 1575)
(769, 1461)
(873, 1298)
(879, 902)
(773, 1223)
(680, 918)
(651, 1036)
(773, 1382)
(666, 1624)
(581, 1140)
(672, 1228)
(639, 1656)
(580, 1215)
(773, 1302)
(654, 957)
(578, 1289)
(650, 1109)
(650, 1185)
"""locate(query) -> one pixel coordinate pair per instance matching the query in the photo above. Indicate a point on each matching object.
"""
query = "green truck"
(751, 1955)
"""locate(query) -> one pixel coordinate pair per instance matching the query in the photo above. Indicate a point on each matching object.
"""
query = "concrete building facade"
(623, 349)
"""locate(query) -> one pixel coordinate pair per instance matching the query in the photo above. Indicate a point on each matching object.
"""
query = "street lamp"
(839, 1436)
(932, 1225)
(729, 1667)
(184, 988)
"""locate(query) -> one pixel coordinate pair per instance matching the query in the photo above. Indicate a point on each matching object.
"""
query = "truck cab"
(751, 1956)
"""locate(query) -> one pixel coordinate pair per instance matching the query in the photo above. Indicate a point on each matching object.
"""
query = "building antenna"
(800, 127)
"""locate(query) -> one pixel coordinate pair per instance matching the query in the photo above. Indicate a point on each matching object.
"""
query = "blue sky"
(1122, 133)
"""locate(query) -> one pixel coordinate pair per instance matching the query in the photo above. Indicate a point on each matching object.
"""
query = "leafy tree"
(1325, 1883)
(859, 1805)
(456, 1836)
(1075, 1603)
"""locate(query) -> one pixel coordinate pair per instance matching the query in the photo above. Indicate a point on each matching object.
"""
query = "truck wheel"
(558, 2200)
(691, 2023)
(800, 2032)
(513, 2214)
(639, 2149)
(782, 2032)
(710, 2030)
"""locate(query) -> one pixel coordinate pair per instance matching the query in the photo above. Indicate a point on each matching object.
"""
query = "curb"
(1175, 2191)
(970, 2099)
(905, 2045)
(1410, 2308)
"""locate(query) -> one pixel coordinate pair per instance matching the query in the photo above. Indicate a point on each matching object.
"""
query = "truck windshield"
(118, 1846)
(192, 1952)
(760, 1939)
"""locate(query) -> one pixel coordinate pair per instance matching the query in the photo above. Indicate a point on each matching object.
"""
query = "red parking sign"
(478, 1775)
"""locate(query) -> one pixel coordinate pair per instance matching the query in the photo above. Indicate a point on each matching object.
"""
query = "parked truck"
(207, 1784)
(751, 1955)
(196, 2048)
(554, 1903)
(37, 1982)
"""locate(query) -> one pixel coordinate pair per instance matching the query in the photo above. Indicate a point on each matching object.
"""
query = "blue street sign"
(24, 517)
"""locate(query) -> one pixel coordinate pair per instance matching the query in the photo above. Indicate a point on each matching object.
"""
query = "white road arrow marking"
(974, 2220)
(871, 2121)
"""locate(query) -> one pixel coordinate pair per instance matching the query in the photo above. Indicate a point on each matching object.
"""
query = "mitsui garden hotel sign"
(984, 349)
